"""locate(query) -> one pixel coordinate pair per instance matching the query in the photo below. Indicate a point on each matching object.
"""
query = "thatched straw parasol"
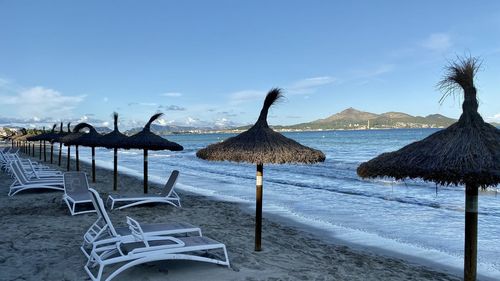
(58, 138)
(37, 138)
(62, 133)
(259, 145)
(26, 144)
(9, 138)
(114, 140)
(90, 139)
(71, 139)
(147, 140)
(18, 138)
(467, 152)
(43, 138)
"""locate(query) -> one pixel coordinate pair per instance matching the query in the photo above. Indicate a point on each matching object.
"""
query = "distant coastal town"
(348, 119)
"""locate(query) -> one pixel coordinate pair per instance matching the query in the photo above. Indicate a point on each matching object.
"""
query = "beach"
(40, 241)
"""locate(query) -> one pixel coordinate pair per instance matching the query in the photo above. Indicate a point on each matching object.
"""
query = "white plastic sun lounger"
(76, 192)
(22, 183)
(167, 195)
(103, 227)
(146, 248)
(32, 172)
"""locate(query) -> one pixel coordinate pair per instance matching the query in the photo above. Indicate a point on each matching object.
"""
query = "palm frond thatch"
(113, 139)
(145, 139)
(467, 152)
(58, 137)
(90, 139)
(260, 144)
(45, 136)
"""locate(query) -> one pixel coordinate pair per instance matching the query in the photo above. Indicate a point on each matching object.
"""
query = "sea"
(411, 219)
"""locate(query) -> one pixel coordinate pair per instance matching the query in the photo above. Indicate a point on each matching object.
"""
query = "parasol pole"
(40, 150)
(69, 157)
(258, 207)
(44, 151)
(33, 149)
(77, 159)
(51, 153)
(60, 153)
(470, 253)
(115, 168)
(93, 164)
(145, 171)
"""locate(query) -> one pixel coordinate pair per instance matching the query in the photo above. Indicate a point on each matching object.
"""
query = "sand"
(39, 240)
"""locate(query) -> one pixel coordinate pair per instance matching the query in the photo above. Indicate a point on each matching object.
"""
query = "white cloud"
(142, 104)
(172, 108)
(372, 73)
(41, 102)
(246, 95)
(171, 94)
(437, 42)
(309, 85)
(105, 99)
(494, 118)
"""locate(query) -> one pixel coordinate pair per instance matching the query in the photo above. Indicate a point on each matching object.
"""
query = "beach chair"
(8, 157)
(22, 183)
(76, 192)
(33, 171)
(32, 174)
(103, 227)
(148, 248)
(167, 195)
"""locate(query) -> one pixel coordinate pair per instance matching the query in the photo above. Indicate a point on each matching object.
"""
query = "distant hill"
(348, 119)
(103, 130)
(355, 119)
(166, 129)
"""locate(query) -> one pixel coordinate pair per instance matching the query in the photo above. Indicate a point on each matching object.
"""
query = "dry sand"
(39, 240)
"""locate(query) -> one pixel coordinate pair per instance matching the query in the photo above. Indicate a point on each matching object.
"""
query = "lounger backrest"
(136, 230)
(75, 183)
(14, 166)
(169, 186)
(101, 211)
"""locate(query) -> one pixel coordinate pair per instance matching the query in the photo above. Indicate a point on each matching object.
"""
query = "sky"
(212, 62)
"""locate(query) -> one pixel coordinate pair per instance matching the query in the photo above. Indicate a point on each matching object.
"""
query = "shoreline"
(290, 252)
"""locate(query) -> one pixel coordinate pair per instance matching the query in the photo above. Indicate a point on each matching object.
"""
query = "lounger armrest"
(177, 244)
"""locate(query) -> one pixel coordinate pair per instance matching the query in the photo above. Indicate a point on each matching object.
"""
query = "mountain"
(348, 114)
(355, 119)
(163, 129)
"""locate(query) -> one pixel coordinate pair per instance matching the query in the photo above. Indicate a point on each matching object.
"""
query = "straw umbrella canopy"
(466, 153)
(90, 139)
(58, 138)
(55, 138)
(69, 140)
(37, 138)
(44, 137)
(259, 145)
(27, 145)
(30, 137)
(147, 140)
(17, 138)
(114, 140)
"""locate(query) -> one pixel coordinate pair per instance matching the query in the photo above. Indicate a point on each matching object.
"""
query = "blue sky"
(207, 62)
